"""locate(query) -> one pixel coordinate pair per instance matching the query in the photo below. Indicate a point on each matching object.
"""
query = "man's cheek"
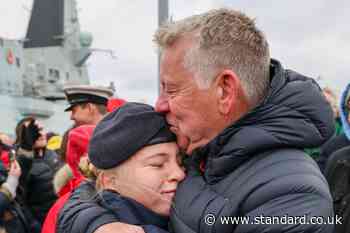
(183, 142)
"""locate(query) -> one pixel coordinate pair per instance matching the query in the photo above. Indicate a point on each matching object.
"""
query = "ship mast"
(163, 17)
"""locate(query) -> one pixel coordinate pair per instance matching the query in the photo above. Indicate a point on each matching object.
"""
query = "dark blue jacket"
(36, 183)
(87, 210)
(256, 167)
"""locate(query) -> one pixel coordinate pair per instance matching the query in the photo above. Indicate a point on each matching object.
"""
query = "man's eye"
(168, 89)
(170, 92)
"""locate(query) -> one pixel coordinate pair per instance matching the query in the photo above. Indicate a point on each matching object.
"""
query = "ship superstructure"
(33, 70)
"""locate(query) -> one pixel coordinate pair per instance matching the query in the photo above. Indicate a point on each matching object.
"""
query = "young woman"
(138, 172)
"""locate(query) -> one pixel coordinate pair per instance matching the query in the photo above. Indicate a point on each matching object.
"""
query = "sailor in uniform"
(87, 104)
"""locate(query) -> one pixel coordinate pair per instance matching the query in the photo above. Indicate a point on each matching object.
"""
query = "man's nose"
(162, 104)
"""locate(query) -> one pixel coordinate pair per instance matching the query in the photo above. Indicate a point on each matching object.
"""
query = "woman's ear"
(103, 181)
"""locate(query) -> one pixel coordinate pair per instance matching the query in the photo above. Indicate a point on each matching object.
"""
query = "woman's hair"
(87, 169)
(20, 127)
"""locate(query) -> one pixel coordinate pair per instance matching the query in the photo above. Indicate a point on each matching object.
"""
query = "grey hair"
(223, 39)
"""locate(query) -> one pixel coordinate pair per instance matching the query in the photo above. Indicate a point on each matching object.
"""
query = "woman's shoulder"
(83, 212)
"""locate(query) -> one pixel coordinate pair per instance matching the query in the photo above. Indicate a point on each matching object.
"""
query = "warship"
(34, 70)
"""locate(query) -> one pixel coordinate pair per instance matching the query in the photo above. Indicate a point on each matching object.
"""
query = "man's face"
(81, 114)
(192, 112)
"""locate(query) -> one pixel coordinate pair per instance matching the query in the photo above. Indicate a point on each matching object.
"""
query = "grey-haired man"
(243, 119)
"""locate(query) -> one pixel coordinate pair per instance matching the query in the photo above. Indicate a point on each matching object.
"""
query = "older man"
(243, 119)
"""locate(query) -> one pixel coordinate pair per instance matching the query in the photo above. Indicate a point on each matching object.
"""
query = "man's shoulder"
(278, 164)
(278, 170)
(284, 157)
(279, 175)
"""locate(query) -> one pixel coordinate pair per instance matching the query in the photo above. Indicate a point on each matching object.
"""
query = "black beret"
(125, 131)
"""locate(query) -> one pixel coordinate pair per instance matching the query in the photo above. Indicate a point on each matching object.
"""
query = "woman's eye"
(157, 165)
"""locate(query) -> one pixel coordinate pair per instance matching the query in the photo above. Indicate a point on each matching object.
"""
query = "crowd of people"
(233, 133)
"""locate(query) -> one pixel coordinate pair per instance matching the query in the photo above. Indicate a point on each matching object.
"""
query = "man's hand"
(120, 228)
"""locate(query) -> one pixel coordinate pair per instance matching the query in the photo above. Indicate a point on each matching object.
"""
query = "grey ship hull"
(50, 113)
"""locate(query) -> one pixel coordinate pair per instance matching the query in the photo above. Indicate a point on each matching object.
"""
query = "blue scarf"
(132, 212)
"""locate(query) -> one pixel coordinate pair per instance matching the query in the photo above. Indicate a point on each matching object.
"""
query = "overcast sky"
(312, 37)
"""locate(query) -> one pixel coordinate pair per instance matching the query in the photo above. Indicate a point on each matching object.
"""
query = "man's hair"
(223, 39)
(102, 109)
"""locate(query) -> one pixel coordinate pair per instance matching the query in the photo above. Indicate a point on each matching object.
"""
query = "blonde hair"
(223, 38)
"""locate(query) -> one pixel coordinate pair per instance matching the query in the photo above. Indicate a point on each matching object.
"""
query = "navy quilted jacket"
(256, 167)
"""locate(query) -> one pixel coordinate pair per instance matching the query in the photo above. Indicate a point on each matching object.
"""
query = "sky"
(311, 37)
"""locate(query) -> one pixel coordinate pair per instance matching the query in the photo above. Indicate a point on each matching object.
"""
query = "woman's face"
(151, 176)
(41, 142)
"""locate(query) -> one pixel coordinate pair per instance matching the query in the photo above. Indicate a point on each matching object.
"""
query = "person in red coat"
(114, 103)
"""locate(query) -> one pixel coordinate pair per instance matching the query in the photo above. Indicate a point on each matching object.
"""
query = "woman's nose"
(177, 173)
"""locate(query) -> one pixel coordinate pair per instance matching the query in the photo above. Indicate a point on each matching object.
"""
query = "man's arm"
(126, 228)
(292, 213)
(117, 227)
(294, 195)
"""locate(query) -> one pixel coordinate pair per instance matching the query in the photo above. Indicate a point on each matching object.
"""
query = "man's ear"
(91, 106)
(227, 89)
